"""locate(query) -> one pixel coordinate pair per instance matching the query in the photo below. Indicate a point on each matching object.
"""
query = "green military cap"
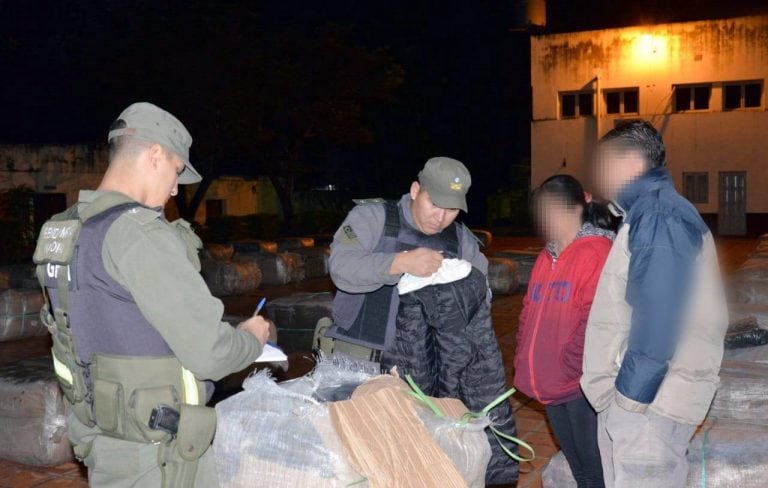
(149, 123)
(447, 181)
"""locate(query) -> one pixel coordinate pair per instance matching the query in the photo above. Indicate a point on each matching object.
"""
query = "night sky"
(256, 82)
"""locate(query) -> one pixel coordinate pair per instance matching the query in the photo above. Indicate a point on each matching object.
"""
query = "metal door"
(732, 215)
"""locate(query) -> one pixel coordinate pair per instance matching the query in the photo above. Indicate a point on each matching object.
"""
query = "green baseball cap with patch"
(447, 181)
(149, 123)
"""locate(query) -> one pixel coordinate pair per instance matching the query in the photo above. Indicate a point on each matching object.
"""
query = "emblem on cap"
(456, 185)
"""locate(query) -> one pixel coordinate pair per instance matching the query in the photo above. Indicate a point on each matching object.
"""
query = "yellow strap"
(62, 371)
(191, 393)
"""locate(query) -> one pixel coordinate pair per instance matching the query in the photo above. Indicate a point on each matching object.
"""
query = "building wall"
(52, 168)
(242, 196)
(655, 59)
(69, 169)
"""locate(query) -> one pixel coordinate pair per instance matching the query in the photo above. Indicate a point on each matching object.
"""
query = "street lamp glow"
(649, 49)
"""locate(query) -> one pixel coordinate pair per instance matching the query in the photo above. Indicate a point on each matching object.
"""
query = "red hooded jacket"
(550, 336)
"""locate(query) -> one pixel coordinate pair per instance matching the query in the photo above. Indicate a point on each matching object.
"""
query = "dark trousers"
(575, 426)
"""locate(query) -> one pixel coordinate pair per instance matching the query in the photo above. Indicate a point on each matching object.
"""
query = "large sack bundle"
(285, 436)
(485, 237)
(19, 276)
(20, 314)
(758, 354)
(254, 245)
(729, 454)
(220, 252)
(503, 276)
(754, 291)
(296, 317)
(267, 436)
(525, 261)
(231, 278)
(741, 394)
(32, 419)
(315, 260)
(276, 269)
(293, 243)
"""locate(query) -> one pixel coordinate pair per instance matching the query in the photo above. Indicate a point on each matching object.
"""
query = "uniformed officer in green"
(136, 331)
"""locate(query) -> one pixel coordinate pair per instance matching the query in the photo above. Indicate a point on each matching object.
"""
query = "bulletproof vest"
(368, 319)
(114, 368)
(103, 315)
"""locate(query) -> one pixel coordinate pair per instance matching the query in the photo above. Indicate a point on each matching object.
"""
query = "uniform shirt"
(149, 257)
(355, 268)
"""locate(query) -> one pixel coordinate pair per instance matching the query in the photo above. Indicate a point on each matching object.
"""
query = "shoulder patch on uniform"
(349, 232)
(142, 215)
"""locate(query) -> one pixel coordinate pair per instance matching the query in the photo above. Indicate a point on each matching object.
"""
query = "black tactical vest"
(368, 319)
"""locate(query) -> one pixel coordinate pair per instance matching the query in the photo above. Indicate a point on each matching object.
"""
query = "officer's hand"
(419, 262)
(259, 327)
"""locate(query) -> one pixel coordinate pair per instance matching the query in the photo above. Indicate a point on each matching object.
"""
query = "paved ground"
(531, 420)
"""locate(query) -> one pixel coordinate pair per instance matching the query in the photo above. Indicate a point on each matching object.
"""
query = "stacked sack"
(344, 426)
(242, 267)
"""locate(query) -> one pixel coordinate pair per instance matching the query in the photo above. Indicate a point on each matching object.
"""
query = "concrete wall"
(654, 59)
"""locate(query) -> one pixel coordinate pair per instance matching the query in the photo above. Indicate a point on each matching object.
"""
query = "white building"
(701, 84)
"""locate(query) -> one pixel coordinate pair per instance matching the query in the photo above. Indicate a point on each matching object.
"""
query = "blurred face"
(615, 168)
(163, 175)
(555, 218)
(428, 217)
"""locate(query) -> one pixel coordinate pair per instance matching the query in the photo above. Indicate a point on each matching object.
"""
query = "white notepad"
(271, 354)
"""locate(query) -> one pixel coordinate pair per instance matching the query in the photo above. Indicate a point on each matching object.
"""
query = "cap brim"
(450, 201)
(190, 175)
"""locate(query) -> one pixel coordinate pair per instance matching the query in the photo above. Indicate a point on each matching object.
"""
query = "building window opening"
(579, 104)
(622, 101)
(696, 187)
(692, 97)
(742, 95)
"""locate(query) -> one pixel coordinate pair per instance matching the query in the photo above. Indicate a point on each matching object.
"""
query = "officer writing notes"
(136, 331)
(405, 299)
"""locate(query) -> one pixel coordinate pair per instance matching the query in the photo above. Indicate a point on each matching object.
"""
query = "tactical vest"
(113, 366)
(368, 319)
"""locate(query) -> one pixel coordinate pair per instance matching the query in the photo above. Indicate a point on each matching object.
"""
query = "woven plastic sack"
(758, 354)
(503, 276)
(729, 454)
(235, 278)
(558, 474)
(268, 436)
(276, 269)
(32, 418)
(741, 394)
(20, 314)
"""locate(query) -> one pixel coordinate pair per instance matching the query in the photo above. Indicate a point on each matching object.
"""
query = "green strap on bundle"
(422, 397)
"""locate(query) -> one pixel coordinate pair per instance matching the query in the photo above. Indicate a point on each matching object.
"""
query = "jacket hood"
(587, 230)
(653, 179)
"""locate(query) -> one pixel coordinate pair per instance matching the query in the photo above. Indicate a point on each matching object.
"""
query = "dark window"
(692, 97)
(682, 98)
(701, 97)
(696, 187)
(631, 102)
(732, 97)
(576, 104)
(613, 102)
(214, 208)
(568, 106)
(753, 94)
(586, 104)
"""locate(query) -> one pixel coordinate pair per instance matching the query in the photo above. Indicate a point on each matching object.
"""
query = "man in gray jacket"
(654, 339)
(441, 335)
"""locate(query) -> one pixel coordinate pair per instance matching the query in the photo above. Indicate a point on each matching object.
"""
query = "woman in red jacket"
(550, 338)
